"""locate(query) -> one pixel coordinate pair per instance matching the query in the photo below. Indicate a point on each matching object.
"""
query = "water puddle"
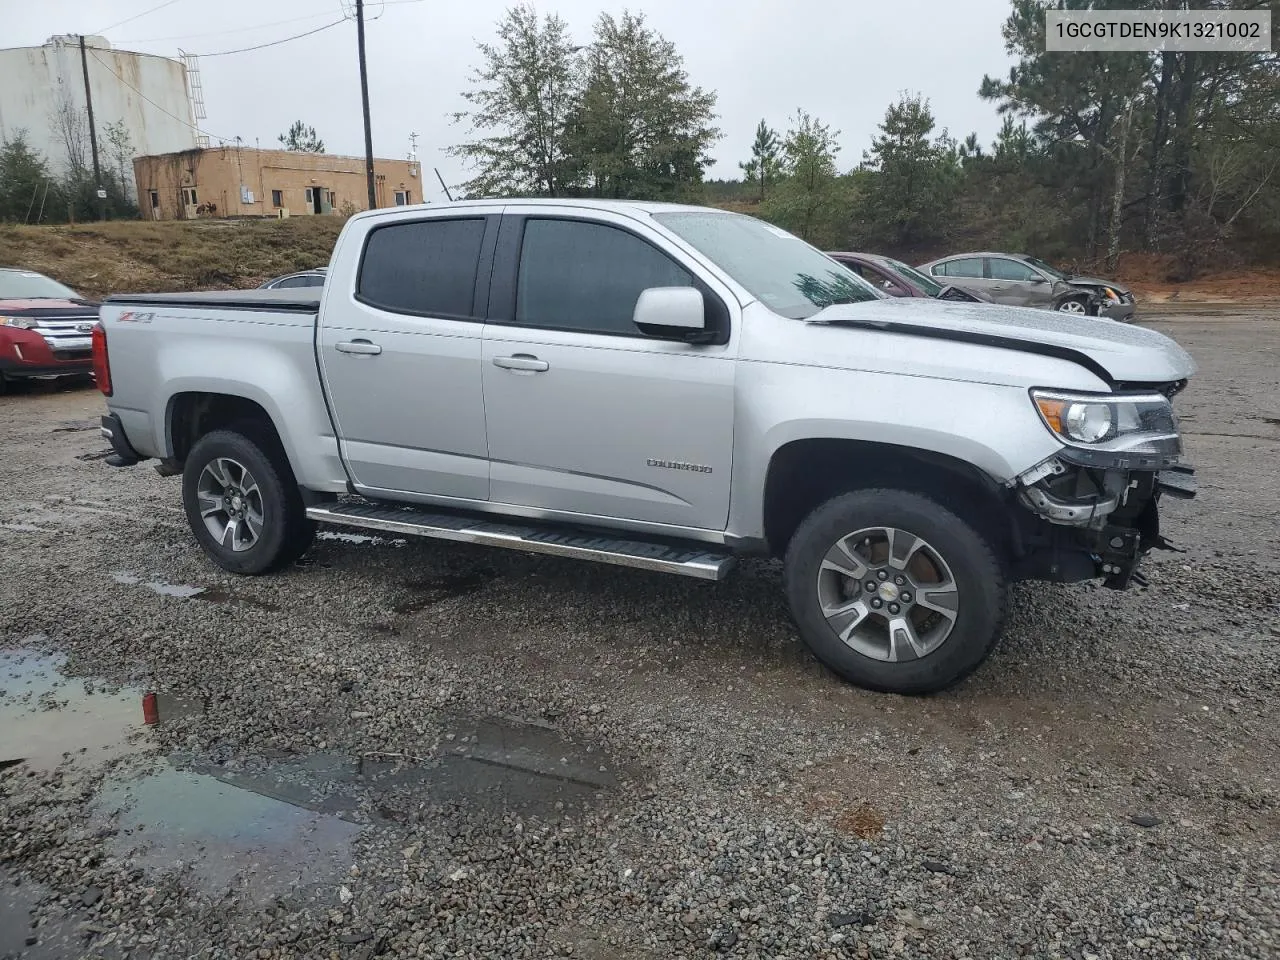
(262, 827)
(220, 836)
(46, 717)
(186, 591)
(183, 591)
(359, 538)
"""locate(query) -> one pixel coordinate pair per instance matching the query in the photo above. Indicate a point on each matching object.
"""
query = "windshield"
(783, 272)
(22, 285)
(1051, 271)
(921, 280)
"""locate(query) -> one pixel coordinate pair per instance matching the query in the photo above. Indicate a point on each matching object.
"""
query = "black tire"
(1083, 301)
(286, 531)
(979, 577)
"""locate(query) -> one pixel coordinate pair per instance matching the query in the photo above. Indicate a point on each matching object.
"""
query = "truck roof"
(631, 207)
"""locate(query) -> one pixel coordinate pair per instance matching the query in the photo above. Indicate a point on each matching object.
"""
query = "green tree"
(301, 138)
(810, 199)
(24, 178)
(521, 97)
(908, 198)
(120, 158)
(766, 159)
(640, 129)
(1133, 140)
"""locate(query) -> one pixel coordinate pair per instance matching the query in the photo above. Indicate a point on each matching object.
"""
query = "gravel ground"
(421, 749)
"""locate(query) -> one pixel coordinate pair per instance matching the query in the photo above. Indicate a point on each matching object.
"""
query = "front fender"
(990, 427)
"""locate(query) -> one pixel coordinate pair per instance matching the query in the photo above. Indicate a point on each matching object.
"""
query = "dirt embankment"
(141, 257)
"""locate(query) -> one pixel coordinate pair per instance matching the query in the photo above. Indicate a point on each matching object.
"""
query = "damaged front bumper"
(1081, 522)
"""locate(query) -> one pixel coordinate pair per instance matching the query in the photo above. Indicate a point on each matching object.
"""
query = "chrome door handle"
(522, 361)
(363, 347)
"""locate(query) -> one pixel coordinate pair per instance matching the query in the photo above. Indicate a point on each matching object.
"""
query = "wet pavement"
(429, 723)
(261, 829)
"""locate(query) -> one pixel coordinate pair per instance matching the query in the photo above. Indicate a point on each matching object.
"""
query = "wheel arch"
(190, 414)
(804, 473)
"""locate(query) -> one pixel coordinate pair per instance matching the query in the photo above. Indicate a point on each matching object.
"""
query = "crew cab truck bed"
(668, 388)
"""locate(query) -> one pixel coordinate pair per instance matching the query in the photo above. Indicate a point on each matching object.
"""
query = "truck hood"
(1127, 354)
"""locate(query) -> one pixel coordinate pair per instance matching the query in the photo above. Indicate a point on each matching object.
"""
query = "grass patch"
(147, 257)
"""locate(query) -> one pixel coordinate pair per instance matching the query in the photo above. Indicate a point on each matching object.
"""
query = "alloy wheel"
(1072, 306)
(888, 594)
(230, 504)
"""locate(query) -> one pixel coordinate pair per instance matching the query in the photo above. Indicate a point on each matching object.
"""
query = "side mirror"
(672, 313)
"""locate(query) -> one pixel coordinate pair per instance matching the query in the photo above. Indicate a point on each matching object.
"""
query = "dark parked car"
(897, 279)
(303, 278)
(45, 328)
(1030, 282)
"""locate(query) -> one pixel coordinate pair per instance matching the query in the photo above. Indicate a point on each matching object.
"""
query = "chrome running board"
(690, 561)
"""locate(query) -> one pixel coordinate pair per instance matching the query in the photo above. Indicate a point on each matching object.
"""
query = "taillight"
(101, 367)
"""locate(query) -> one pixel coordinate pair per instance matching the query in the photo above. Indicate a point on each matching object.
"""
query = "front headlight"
(1111, 295)
(1140, 426)
(21, 323)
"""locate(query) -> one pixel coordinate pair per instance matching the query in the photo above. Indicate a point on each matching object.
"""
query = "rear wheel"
(242, 502)
(894, 592)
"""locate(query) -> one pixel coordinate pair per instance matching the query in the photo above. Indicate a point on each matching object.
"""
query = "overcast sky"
(842, 60)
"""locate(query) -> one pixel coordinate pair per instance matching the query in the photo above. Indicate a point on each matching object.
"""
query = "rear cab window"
(423, 267)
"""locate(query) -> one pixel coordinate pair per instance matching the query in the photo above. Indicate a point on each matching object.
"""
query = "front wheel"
(1076, 305)
(242, 502)
(894, 592)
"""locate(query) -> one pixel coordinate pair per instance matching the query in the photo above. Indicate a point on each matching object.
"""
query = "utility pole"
(364, 100)
(93, 134)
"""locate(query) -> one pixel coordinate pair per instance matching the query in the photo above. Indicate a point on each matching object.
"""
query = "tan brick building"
(234, 181)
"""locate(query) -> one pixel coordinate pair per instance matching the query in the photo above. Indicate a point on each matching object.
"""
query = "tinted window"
(427, 267)
(964, 267)
(1002, 269)
(587, 276)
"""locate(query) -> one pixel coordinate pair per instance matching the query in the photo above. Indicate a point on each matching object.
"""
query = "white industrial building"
(41, 86)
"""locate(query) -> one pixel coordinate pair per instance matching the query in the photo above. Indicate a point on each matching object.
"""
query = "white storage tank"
(42, 91)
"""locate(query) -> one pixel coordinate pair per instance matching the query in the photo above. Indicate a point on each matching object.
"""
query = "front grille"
(72, 354)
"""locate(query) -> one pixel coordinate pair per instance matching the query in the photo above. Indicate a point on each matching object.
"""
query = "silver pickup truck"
(663, 387)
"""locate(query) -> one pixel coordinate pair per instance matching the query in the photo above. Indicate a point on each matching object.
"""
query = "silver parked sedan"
(1029, 282)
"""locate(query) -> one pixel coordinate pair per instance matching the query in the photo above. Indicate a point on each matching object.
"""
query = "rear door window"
(576, 275)
(964, 267)
(423, 267)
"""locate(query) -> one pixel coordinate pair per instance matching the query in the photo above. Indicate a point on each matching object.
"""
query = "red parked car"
(897, 279)
(45, 328)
